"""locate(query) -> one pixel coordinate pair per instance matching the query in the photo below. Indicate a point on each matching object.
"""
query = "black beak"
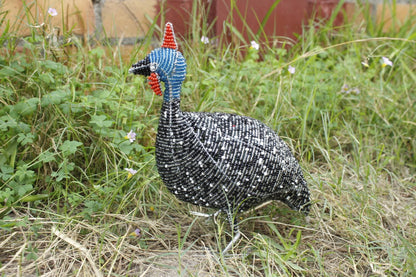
(141, 68)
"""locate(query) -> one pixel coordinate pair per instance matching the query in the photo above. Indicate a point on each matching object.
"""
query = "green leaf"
(92, 207)
(46, 78)
(55, 97)
(58, 175)
(6, 172)
(9, 123)
(24, 189)
(10, 71)
(5, 195)
(68, 108)
(25, 175)
(100, 121)
(127, 147)
(33, 198)
(54, 66)
(6, 92)
(64, 168)
(98, 52)
(46, 157)
(25, 108)
(10, 151)
(295, 266)
(7, 72)
(69, 147)
(101, 93)
(24, 139)
(6, 122)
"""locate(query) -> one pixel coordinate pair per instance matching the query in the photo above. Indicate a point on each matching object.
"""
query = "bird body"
(217, 160)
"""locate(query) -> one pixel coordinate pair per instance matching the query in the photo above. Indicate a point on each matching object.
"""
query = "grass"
(68, 206)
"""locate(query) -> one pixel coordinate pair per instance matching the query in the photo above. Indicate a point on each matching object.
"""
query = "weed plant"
(68, 204)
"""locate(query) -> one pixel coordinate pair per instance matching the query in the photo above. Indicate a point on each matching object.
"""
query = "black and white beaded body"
(217, 160)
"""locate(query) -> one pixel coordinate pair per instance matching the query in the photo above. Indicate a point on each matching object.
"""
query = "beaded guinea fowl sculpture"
(217, 160)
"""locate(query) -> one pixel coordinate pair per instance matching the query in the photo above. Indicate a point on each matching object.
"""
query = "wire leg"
(233, 223)
(204, 214)
(230, 244)
(213, 215)
(236, 230)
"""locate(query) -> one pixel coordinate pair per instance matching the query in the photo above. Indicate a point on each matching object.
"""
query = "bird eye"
(153, 67)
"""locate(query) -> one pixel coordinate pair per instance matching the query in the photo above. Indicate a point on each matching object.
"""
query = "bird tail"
(297, 197)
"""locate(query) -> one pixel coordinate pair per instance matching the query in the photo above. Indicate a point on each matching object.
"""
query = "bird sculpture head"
(165, 64)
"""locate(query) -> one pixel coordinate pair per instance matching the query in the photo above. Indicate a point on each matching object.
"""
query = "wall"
(129, 20)
(126, 19)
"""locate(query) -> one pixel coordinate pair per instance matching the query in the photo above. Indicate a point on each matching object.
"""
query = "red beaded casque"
(169, 38)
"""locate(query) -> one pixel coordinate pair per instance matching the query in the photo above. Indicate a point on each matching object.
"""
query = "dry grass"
(353, 229)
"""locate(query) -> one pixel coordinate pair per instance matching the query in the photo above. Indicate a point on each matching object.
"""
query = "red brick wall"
(127, 18)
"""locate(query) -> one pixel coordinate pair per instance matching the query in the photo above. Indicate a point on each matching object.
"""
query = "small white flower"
(52, 12)
(291, 69)
(345, 89)
(204, 40)
(131, 136)
(365, 64)
(254, 45)
(386, 62)
(131, 172)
